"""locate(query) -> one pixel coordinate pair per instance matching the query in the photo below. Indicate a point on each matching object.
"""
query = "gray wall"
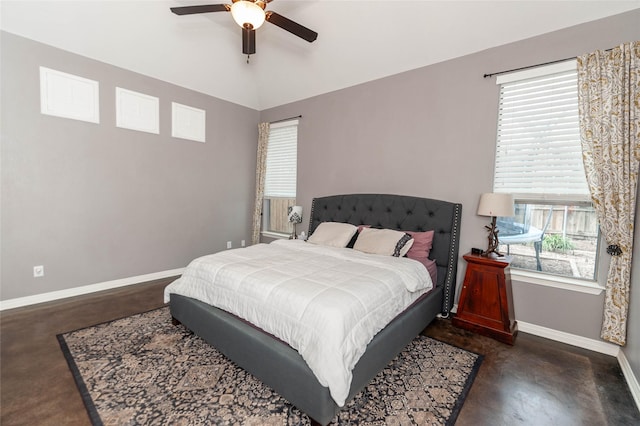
(93, 202)
(431, 132)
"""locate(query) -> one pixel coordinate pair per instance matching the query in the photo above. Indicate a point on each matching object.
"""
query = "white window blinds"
(282, 158)
(539, 155)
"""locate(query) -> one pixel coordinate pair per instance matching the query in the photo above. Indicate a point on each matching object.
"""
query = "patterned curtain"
(609, 111)
(261, 167)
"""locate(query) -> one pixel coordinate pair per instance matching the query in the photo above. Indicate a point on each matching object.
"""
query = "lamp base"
(294, 235)
(492, 247)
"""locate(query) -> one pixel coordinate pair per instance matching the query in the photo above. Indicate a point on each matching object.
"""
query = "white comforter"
(327, 303)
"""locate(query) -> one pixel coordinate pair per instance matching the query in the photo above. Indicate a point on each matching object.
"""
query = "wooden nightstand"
(486, 301)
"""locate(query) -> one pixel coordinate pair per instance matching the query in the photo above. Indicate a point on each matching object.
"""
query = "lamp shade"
(295, 214)
(247, 12)
(494, 204)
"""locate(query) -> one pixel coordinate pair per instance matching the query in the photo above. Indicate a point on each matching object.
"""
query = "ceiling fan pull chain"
(248, 56)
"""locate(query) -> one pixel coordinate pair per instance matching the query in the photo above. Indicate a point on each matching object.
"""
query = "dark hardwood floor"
(535, 382)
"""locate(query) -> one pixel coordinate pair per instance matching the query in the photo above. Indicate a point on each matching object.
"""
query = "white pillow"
(383, 241)
(333, 234)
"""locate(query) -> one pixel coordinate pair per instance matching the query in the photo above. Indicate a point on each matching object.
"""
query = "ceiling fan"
(250, 15)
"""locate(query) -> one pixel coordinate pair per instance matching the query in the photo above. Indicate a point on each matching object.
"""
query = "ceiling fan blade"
(205, 8)
(248, 41)
(293, 27)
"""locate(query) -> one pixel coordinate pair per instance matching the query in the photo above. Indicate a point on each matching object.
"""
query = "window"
(539, 161)
(280, 177)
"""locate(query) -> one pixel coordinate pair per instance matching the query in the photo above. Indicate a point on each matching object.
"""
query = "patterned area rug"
(144, 370)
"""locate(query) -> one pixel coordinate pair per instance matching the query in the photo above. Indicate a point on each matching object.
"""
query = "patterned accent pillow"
(403, 245)
(383, 241)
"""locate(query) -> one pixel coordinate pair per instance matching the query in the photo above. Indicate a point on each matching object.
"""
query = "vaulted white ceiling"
(358, 40)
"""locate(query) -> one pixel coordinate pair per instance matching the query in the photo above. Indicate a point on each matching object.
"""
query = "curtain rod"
(528, 67)
(535, 66)
(285, 119)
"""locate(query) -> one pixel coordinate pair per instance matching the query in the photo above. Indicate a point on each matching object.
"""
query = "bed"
(279, 365)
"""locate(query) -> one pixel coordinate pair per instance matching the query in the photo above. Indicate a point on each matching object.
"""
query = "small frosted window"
(137, 111)
(188, 122)
(69, 96)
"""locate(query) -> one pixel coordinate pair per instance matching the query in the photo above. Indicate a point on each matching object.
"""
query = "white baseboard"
(92, 288)
(570, 339)
(632, 380)
(563, 337)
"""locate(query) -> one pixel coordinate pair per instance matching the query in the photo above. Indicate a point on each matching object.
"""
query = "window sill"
(565, 283)
(277, 235)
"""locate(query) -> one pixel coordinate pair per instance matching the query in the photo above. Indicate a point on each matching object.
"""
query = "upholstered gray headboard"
(403, 213)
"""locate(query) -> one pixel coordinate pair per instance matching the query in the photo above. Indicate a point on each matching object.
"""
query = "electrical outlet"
(38, 271)
(242, 243)
(228, 244)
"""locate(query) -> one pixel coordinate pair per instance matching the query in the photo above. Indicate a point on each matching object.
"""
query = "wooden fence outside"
(575, 222)
(278, 214)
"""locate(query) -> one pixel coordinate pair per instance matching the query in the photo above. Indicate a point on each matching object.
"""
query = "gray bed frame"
(281, 367)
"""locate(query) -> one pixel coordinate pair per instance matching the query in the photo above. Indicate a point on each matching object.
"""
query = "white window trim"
(540, 71)
(555, 281)
(287, 123)
(533, 277)
(270, 233)
(278, 235)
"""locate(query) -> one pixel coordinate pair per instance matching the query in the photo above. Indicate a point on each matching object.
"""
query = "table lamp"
(295, 217)
(494, 205)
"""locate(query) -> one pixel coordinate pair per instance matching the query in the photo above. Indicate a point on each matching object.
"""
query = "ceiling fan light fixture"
(247, 12)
